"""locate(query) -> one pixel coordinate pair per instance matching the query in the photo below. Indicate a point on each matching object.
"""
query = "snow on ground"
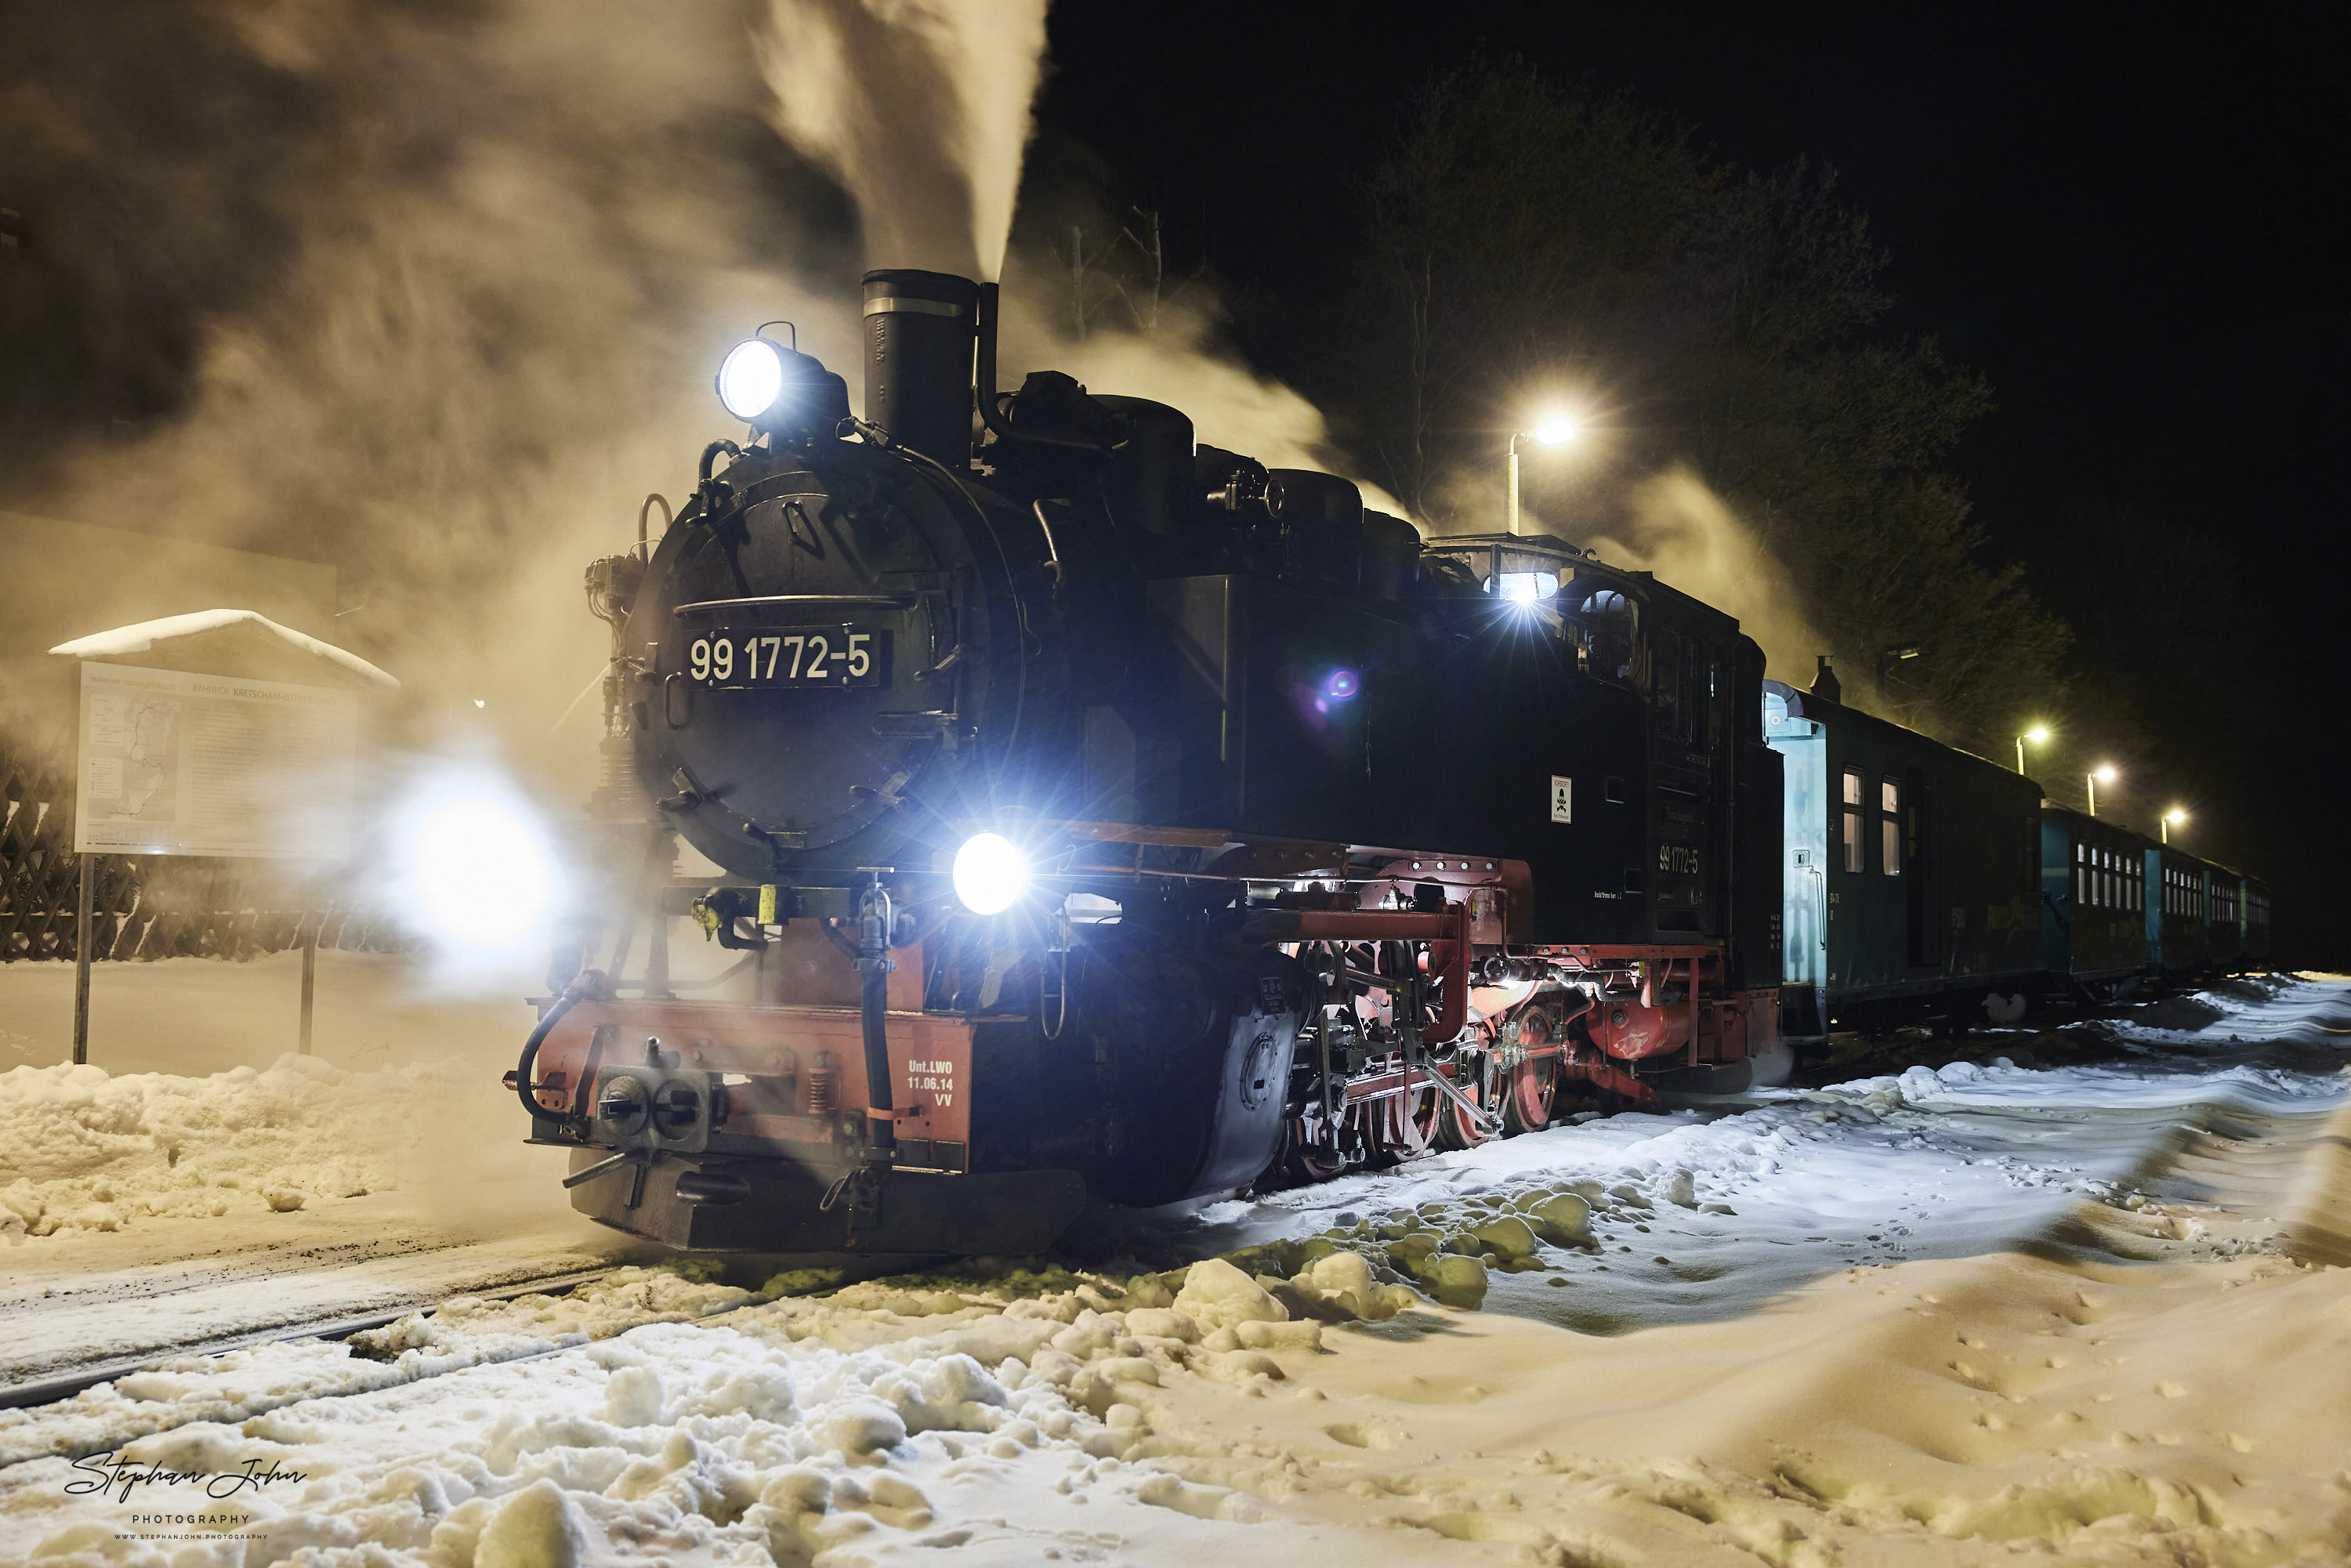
(1706, 1216)
(88, 1150)
(2080, 1314)
(198, 1181)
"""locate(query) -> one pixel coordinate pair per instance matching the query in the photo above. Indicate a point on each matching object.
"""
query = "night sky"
(2131, 220)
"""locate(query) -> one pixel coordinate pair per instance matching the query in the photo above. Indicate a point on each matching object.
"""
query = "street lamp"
(2105, 772)
(1551, 433)
(2177, 814)
(2038, 734)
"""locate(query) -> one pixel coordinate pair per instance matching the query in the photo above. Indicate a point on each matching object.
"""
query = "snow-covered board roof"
(142, 637)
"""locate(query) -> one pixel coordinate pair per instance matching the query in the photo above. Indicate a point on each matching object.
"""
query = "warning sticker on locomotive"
(1563, 798)
(758, 659)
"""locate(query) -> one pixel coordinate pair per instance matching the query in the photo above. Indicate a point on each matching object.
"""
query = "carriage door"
(1918, 903)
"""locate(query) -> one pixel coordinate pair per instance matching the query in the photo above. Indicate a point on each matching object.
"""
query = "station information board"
(178, 764)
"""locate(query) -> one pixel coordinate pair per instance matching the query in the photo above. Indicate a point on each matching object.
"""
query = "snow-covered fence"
(150, 906)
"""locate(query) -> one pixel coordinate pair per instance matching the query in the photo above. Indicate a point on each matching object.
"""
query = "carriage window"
(1889, 827)
(1852, 839)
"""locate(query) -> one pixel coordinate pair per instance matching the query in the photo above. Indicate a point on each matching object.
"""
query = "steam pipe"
(1052, 550)
(578, 991)
(707, 489)
(875, 918)
(985, 388)
(668, 517)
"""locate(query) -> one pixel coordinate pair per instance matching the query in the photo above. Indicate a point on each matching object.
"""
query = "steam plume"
(1679, 528)
(921, 108)
(1180, 363)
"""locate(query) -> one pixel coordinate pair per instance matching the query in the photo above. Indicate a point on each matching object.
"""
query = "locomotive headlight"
(751, 378)
(991, 871)
(1526, 587)
(476, 870)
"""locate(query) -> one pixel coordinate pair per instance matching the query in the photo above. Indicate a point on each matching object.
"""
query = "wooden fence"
(151, 906)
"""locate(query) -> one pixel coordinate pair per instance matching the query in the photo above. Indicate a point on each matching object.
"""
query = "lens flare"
(750, 379)
(1340, 685)
(479, 873)
(990, 872)
(1526, 587)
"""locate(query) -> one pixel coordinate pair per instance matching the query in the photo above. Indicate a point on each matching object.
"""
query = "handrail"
(834, 601)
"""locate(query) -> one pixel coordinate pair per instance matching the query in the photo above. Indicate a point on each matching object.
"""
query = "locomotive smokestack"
(920, 330)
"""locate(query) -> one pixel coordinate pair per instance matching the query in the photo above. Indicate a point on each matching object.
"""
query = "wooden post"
(310, 973)
(81, 958)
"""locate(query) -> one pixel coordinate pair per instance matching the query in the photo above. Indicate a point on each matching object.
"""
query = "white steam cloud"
(1680, 530)
(1179, 363)
(920, 108)
(521, 241)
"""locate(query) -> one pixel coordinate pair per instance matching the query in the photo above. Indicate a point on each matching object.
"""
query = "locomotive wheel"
(1408, 1122)
(1309, 1160)
(1455, 1129)
(1533, 1092)
(1531, 1088)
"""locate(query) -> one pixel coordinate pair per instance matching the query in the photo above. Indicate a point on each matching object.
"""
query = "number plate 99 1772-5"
(800, 656)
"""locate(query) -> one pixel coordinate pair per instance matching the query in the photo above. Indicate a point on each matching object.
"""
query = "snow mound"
(82, 1150)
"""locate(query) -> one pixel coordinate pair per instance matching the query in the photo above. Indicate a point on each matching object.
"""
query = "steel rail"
(64, 1385)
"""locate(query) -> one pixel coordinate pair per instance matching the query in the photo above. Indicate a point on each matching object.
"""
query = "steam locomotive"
(1098, 811)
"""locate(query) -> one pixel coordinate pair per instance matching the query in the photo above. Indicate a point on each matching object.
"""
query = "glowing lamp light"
(2175, 816)
(751, 378)
(479, 873)
(2104, 774)
(1523, 588)
(990, 872)
(1555, 431)
(2037, 734)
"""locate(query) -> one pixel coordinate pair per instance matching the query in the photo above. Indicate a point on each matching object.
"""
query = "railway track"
(28, 1393)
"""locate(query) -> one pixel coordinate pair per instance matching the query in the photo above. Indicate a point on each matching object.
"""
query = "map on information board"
(180, 763)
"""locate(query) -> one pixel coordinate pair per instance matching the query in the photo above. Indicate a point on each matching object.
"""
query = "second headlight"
(990, 873)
